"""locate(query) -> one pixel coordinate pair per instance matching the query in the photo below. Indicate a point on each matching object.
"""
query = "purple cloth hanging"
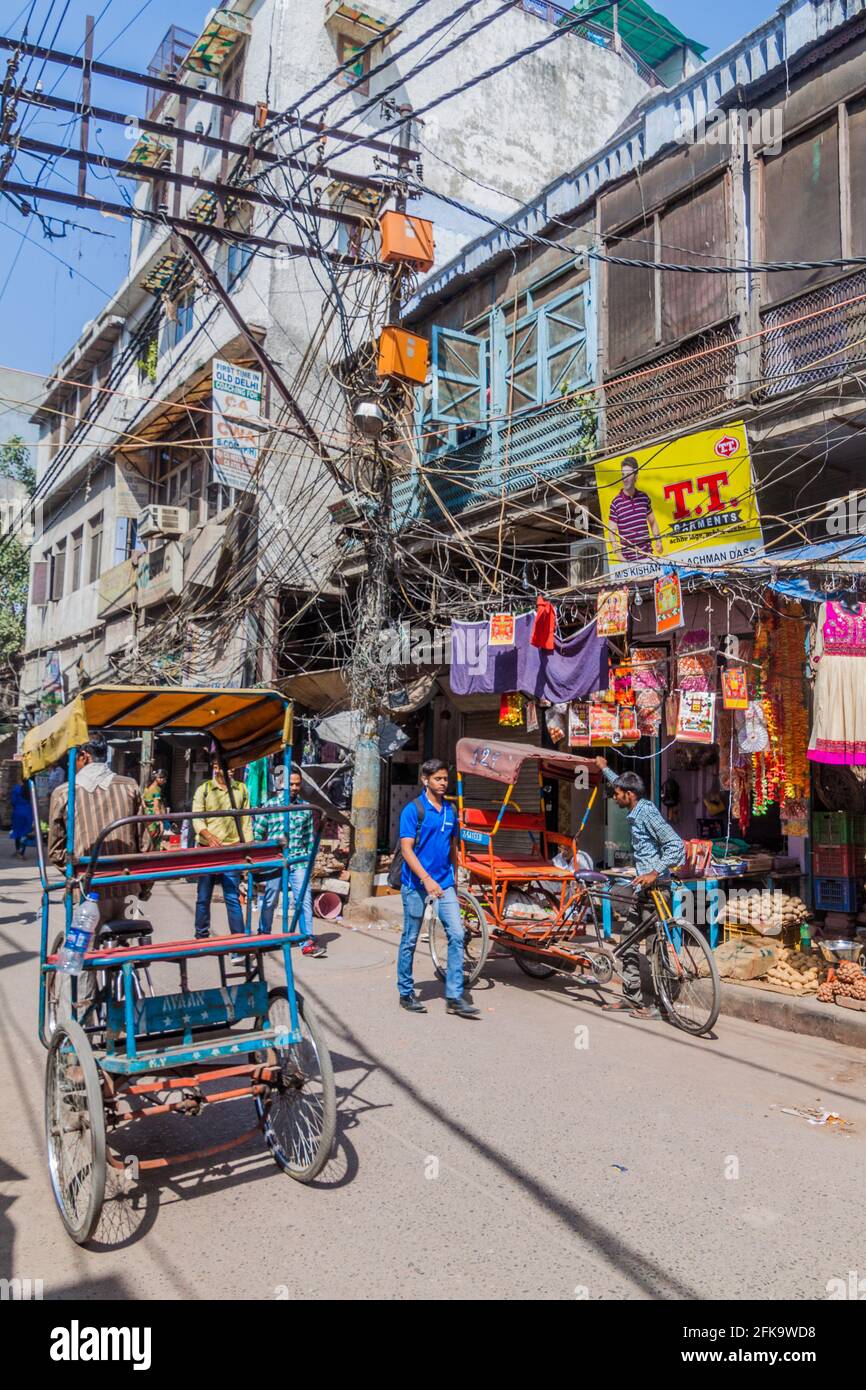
(573, 670)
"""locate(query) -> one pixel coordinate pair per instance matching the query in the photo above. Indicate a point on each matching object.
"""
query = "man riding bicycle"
(657, 849)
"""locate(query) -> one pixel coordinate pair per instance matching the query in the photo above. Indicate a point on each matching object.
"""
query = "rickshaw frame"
(253, 724)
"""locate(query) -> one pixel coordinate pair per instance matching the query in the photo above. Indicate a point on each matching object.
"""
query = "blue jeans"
(448, 909)
(229, 883)
(272, 893)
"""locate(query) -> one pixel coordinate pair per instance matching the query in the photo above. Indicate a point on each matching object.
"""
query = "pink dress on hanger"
(839, 715)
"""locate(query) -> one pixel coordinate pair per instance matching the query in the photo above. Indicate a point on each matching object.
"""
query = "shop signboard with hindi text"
(688, 502)
(237, 396)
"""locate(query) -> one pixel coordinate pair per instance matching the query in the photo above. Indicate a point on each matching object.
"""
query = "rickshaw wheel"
(299, 1115)
(476, 940)
(536, 969)
(75, 1130)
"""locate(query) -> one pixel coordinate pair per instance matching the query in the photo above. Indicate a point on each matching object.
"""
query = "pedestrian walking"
(212, 831)
(22, 819)
(153, 797)
(269, 824)
(428, 842)
(657, 849)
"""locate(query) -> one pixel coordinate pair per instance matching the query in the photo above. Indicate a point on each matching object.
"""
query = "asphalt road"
(546, 1151)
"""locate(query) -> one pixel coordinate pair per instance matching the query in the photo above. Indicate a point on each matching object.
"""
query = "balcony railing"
(694, 382)
(815, 337)
(536, 447)
(593, 33)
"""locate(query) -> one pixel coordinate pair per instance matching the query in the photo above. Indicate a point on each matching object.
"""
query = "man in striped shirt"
(634, 532)
(101, 797)
(657, 849)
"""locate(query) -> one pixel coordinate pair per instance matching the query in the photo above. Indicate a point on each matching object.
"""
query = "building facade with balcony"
(551, 342)
(125, 421)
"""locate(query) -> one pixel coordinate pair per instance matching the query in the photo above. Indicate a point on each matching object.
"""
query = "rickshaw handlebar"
(250, 811)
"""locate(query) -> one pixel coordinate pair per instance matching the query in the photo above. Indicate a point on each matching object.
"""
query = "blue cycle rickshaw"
(117, 1052)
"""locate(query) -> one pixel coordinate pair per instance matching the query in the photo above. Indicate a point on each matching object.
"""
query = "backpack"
(395, 873)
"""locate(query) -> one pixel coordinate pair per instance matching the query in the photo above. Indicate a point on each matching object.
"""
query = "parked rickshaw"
(117, 1052)
(541, 906)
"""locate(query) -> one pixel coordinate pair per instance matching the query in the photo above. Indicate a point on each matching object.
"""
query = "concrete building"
(552, 346)
(126, 420)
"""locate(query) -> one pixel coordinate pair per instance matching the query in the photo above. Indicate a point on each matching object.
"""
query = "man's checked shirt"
(269, 825)
(656, 845)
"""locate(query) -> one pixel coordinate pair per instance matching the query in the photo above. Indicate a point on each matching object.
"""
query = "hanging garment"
(576, 667)
(839, 719)
(544, 627)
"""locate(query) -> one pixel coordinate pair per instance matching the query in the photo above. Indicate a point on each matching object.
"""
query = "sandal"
(619, 1006)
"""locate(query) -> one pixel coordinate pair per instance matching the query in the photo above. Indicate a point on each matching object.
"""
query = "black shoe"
(461, 1008)
(411, 1004)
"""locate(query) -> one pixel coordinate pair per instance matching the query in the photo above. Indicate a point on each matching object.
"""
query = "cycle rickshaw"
(117, 1052)
(541, 906)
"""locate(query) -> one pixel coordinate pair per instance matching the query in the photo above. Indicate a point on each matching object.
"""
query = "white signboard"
(237, 393)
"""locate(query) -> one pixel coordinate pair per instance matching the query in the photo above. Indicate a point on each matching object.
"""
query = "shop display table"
(708, 890)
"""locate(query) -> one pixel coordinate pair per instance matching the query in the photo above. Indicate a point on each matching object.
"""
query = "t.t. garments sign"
(237, 395)
(691, 501)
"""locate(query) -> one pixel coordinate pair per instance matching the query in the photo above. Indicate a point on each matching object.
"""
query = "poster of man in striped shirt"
(634, 531)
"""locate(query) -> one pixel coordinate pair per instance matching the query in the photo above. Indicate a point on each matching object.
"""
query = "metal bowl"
(841, 949)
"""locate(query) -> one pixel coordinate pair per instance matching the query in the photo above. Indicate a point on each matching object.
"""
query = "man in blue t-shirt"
(429, 846)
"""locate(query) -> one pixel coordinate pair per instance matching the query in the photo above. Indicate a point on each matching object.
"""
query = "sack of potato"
(764, 911)
(845, 979)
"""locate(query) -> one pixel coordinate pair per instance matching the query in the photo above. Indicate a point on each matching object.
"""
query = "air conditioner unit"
(162, 521)
(586, 562)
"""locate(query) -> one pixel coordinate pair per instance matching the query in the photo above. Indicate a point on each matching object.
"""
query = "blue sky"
(49, 289)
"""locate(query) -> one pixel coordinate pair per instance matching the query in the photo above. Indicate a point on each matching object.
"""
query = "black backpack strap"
(422, 811)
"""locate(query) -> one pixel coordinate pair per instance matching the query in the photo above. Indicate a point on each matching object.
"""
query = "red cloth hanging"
(544, 626)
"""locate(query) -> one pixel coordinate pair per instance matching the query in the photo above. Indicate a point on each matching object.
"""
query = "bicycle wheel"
(75, 1130)
(298, 1115)
(476, 941)
(686, 978)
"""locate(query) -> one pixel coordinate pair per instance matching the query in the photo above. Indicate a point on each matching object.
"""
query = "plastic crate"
(833, 828)
(839, 861)
(835, 894)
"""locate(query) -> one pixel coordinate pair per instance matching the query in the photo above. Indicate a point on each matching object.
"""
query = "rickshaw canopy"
(501, 762)
(246, 724)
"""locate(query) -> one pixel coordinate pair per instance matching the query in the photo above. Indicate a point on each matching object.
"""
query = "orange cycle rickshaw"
(541, 906)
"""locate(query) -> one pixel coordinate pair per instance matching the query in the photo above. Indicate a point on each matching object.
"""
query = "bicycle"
(684, 972)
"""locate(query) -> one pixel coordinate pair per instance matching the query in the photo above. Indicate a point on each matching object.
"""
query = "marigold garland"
(780, 773)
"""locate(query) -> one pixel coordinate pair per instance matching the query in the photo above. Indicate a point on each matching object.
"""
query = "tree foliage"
(14, 555)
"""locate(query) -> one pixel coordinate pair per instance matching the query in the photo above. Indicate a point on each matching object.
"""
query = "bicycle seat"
(124, 927)
(590, 876)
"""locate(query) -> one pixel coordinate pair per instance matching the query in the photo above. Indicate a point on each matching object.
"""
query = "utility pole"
(369, 682)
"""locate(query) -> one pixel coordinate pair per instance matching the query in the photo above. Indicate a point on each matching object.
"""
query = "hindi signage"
(237, 394)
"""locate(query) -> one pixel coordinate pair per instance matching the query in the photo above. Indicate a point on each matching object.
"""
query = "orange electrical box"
(407, 239)
(402, 354)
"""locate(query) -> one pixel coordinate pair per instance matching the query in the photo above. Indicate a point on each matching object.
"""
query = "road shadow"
(652, 1280)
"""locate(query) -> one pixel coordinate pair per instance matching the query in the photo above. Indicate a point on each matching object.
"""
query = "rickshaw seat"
(177, 950)
(124, 926)
(483, 818)
(526, 866)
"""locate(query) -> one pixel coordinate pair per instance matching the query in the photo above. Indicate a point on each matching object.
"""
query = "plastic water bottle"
(79, 935)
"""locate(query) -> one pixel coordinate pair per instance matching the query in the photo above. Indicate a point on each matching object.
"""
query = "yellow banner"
(690, 501)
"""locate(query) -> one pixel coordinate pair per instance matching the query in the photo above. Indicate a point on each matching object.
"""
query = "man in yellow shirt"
(213, 795)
